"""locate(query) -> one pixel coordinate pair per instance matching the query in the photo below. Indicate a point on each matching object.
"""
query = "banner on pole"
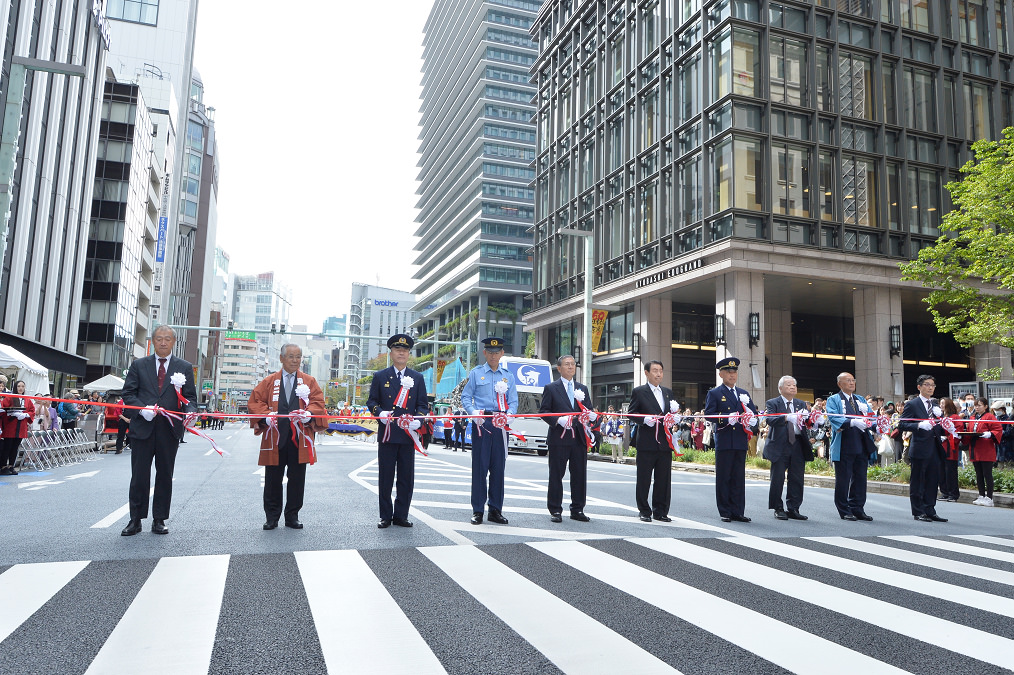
(441, 364)
(598, 325)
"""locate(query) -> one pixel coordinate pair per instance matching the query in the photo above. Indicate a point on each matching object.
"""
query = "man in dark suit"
(654, 456)
(395, 448)
(924, 449)
(152, 435)
(728, 402)
(567, 440)
(787, 448)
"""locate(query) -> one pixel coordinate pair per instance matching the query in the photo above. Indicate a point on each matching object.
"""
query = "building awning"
(53, 359)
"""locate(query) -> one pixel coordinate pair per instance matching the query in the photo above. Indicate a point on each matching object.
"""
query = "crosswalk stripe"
(948, 635)
(569, 638)
(170, 626)
(1000, 556)
(26, 588)
(356, 618)
(986, 539)
(921, 559)
(782, 644)
(909, 582)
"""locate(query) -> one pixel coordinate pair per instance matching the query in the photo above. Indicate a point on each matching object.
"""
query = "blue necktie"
(570, 392)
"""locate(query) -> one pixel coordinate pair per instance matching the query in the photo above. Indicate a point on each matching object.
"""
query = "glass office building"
(753, 172)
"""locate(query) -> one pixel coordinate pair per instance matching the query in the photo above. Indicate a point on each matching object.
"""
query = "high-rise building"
(753, 173)
(477, 144)
(336, 324)
(47, 156)
(221, 289)
(376, 311)
(262, 303)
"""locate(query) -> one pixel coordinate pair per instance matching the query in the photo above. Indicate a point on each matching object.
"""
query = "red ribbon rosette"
(670, 420)
(404, 421)
(746, 418)
(884, 424)
(948, 425)
(500, 421)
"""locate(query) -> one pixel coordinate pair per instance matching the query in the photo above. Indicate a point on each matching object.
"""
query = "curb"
(1000, 499)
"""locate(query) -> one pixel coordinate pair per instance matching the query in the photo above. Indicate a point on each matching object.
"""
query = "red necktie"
(161, 373)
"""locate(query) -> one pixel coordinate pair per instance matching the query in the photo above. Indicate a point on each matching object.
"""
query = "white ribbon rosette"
(744, 399)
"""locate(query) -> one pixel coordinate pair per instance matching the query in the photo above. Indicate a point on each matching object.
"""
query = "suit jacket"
(720, 402)
(264, 401)
(384, 389)
(836, 415)
(554, 400)
(924, 444)
(643, 402)
(777, 446)
(140, 388)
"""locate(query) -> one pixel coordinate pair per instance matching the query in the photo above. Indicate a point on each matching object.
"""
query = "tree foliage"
(970, 268)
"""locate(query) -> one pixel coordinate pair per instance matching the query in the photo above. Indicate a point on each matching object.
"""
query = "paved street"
(219, 594)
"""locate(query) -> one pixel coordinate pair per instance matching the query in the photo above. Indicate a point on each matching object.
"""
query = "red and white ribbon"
(404, 422)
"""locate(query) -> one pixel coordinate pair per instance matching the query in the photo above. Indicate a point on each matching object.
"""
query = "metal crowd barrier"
(43, 450)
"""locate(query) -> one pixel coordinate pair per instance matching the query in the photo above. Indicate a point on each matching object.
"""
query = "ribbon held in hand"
(409, 424)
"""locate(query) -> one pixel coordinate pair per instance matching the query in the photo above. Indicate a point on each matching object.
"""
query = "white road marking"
(986, 539)
(83, 475)
(992, 554)
(26, 588)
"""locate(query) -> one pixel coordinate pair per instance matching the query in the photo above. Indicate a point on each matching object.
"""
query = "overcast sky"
(317, 114)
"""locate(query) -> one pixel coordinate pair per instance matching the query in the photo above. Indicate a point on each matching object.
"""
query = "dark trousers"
(9, 452)
(395, 458)
(949, 479)
(922, 488)
(162, 448)
(68, 424)
(794, 465)
(983, 477)
(657, 465)
(288, 459)
(447, 438)
(459, 439)
(121, 434)
(730, 482)
(489, 456)
(559, 456)
(850, 483)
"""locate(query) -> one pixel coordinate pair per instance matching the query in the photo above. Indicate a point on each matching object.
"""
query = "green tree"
(970, 268)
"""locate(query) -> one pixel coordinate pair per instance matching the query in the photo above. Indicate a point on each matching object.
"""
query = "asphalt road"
(219, 594)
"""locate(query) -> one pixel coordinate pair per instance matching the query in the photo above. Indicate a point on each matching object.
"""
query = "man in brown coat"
(286, 440)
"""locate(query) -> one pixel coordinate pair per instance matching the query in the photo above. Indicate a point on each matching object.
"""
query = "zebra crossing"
(725, 604)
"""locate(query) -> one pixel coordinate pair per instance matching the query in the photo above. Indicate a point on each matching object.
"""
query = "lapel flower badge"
(744, 399)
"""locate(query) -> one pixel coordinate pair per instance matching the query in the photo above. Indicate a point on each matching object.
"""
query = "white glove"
(21, 415)
(477, 415)
(985, 434)
(563, 421)
(792, 418)
(148, 412)
(925, 426)
(303, 415)
(858, 423)
(414, 424)
(649, 421)
(190, 420)
(733, 419)
(755, 421)
(385, 416)
(593, 416)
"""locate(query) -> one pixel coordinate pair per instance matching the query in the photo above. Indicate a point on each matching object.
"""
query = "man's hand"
(303, 416)
(477, 415)
(792, 418)
(754, 421)
(649, 421)
(592, 416)
(148, 412)
(385, 416)
(859, 423)
(563, 421)
(190, 420)
(925, 426)
(733, 419)
(413, 425)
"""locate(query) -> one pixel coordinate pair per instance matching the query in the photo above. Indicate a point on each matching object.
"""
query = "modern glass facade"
(677, 128)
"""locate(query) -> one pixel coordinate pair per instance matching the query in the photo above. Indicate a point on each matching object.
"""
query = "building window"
(791, 187)
(691, 191)
(859, 191)
(138, 11)
(646, 218)
(788, 72)
(827, 186)
(649, 119)
(689, 89)
(915, 14)
(735, 56)
(738, 166)
(825, 80)
(924, 200)
(920, 99)
(978, 110)
(973, 25)
(855, 81)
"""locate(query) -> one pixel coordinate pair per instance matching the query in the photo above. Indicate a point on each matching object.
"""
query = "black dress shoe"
(644, 518)
(781, 515)
(663, 519)
(937, 519)
(402, 522)
(294, 524)
(496, 517)
(726, 519)
(794, 514)
(848, 516)
(476, 518)
(132, 528)
(556, 517)
(925, 519)
(863, 516)
(158, 526)
(579, 515)
(385, 522)
(270, 525)
(741, 519)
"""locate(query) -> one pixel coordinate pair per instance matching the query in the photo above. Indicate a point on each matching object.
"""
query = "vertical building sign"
(160, 246)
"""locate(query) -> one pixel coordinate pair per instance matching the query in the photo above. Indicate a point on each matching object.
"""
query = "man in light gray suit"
(787, 448)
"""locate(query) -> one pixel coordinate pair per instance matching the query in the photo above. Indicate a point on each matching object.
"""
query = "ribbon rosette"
(948, 425)
(883, 424)
(747, 417)
(501, 390)
(303, 393)
(401, 400)
(584, 418)
(669, 421)
(404, 423)
(816, 419)
(178, 380)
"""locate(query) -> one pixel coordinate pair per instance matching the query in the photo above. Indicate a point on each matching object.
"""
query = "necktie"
(161, 373)
(570, 392)
(792, 427)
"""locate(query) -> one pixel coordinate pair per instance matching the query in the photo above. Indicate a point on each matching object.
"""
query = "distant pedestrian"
(16, 423)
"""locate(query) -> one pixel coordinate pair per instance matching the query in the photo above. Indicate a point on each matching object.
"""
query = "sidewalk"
(901, 489)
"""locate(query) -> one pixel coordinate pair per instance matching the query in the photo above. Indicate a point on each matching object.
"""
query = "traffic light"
(230, 325)
(283, 327)
(274, 328)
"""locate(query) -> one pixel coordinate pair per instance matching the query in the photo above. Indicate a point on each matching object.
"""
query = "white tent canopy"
(36, 377)
(104, 384)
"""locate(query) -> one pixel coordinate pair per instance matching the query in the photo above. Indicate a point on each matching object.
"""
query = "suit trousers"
(655, 464)
(794, 465)
(489, 456)
(288, 459)
(161, 446)
(559, 456)
(121, 434)
(922, 489)
(730, 482)
(850, 483)
(395, 458)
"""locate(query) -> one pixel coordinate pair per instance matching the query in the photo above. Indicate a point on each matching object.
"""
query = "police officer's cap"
(493, 344)
(400, 340)
(729, 363)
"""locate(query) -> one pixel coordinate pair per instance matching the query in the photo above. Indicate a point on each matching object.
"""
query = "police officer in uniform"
(489, 444)
(395, 448)
(731, 440)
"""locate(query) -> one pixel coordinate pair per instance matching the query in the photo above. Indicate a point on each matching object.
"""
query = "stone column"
(737, 295)
(991, 356)
(483, 328)
(875, 309)
(653, 322)
(777, 332)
